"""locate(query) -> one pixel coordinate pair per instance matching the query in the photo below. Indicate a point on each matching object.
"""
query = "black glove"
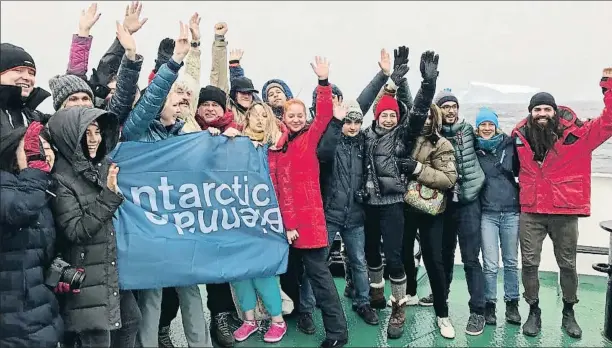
(398, 74)
(605, 84)
(400, 56)
(407, 166)
(429, 65)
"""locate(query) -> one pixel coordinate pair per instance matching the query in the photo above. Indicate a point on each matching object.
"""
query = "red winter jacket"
(295, 176)
(562, 185)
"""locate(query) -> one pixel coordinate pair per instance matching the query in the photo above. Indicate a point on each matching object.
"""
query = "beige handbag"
(425, 199)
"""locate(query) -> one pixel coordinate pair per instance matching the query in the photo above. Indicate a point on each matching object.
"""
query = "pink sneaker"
(275, 332)
(247, 329)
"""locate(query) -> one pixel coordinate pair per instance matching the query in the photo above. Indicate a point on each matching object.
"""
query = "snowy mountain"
(488, 93)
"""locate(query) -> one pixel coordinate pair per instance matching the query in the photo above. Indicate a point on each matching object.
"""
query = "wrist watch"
(195, 44)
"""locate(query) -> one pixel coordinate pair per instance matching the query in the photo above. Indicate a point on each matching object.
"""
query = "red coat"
(562, 185)
(295, 176)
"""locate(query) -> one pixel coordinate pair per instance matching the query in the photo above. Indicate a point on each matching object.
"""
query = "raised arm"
(600, 128)
(324, 103)
(111, 60)
(370, 92)
(152, 101)
(235, 69)
(422, 103)
(193, 61)
(218, 71)
(326, 150)
(127, 78)
(81, 43)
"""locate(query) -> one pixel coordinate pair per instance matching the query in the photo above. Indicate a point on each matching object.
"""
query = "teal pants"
(268, 290)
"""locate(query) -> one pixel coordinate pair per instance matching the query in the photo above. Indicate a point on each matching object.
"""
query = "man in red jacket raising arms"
(554, 149)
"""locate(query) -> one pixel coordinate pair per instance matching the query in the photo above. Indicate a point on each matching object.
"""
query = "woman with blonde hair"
(263, 128)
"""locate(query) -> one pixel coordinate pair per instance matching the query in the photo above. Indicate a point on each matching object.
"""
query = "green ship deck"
(421, 330)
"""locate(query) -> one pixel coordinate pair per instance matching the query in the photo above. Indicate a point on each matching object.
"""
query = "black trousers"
(314, 263)
(169, 307)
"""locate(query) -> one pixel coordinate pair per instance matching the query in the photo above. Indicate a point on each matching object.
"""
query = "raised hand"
(127, 41)
(181, 44)
(340, 110)
(111, 179)
(321, 67)
(221, 28)
(385, 62)
(398, 74)
(400, 56)
(132, 21)
(88, 18)
(236, 54)
(194, 27)
(429, 65)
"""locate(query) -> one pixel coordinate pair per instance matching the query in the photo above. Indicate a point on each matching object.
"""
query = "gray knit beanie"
(63, 86)
(445, 95)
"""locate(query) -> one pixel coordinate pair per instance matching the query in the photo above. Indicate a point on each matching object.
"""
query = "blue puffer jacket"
(143, 123)
(29, 311)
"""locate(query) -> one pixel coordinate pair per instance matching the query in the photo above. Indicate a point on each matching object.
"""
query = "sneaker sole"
(425, 304)
(275, 340)
(308, 332)
(474, 333)
(513, 322)
(245, 338)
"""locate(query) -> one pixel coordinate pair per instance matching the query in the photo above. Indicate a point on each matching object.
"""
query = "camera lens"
(74, 277)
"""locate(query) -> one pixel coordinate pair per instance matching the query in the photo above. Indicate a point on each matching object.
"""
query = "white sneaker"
(446, 328)
(410, 300)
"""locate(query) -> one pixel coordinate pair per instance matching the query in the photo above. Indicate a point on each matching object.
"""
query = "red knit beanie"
(387, 102)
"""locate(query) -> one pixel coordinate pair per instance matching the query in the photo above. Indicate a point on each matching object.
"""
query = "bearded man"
(554, 150)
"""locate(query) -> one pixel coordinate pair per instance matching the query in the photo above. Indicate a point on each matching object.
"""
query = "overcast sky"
(560, 47)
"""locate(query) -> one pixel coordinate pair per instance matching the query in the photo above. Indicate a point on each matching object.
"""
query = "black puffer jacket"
(29, 312)
(83, 210)
(341, 159)
(14, 111)
(384, 148)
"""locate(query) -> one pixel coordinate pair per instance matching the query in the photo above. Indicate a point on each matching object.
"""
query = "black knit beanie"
(542, 98)
(12, 57)
(212, 93)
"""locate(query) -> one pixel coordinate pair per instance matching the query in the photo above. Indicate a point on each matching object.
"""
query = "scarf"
(220, 123)
(490, 145)
(254, 136)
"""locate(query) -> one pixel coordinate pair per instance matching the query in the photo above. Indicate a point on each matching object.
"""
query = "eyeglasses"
(450, 107)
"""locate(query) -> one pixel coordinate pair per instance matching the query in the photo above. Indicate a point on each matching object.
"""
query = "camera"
(361, 196)
(62, 271)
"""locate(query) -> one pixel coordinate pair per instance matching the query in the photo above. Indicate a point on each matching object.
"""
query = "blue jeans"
(499, 227)
(268, 290)
(192, 312)
(354, 244)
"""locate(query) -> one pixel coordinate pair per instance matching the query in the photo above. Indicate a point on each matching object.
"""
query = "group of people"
(417, 167)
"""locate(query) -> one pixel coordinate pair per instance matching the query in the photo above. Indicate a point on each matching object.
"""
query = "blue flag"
(198, 209)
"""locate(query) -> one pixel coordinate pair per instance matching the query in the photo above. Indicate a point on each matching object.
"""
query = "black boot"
(533, 325)
(220, 330)
(163, 338)
(306, 324)
(512, 313)
(490, 317)
(569, 321)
